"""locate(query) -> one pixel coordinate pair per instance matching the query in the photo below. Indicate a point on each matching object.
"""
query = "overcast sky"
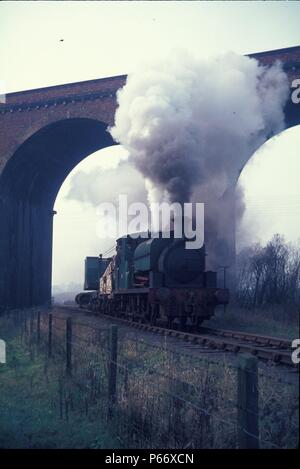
(110, 38)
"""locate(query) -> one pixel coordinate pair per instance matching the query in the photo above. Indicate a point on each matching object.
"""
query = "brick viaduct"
(44, 134)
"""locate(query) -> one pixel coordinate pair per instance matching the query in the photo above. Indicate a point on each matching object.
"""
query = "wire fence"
(154, 397)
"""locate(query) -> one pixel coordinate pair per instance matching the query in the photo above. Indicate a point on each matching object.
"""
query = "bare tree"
(269, 274)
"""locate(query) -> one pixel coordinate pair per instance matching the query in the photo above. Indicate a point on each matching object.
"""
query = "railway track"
(265, 348)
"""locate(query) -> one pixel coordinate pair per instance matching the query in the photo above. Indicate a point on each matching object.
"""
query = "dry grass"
(164, 399)
(274, 320)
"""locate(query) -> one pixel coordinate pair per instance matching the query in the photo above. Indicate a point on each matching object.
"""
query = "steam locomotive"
(154, 280)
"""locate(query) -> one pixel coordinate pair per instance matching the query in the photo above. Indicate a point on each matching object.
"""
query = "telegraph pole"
(224, 267)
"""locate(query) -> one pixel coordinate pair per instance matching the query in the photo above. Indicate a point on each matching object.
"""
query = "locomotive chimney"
(177, 224)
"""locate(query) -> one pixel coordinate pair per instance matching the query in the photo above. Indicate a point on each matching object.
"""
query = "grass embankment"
(278, 321)
(29, 413)
(164, 399)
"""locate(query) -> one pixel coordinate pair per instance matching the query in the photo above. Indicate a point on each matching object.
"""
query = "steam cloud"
(186, 121)
(105, 184)
(190, 126)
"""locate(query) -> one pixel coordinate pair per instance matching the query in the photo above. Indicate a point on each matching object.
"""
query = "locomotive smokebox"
(182, 266)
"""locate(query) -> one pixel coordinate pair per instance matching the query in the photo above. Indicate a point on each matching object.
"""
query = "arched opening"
(268, 235)
(99, 178)
(28, 188)
(39, 166)
(267, 184)
(265, 201)
(269, 188)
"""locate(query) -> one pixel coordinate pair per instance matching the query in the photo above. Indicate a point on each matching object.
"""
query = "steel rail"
(267, 348)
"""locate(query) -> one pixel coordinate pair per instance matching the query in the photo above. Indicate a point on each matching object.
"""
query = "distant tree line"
(269, 274)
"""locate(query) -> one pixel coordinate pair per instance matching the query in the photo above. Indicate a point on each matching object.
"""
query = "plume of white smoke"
(105, 184)
(190, 126)
(101, 185)
(186, 122)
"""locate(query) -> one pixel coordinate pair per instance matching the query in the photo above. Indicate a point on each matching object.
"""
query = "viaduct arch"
(44, 133)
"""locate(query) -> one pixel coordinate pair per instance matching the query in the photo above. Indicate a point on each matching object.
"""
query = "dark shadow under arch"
(29, 185)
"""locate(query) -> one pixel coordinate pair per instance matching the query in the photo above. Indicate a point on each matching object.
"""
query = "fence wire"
(152, 396)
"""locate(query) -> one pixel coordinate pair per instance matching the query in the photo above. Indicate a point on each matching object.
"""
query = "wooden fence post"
(248, 419)
(31, 326)
(69, 346)
(181, 389)
(38, 328)
(50, 318)
(25, 325)
(31, 336)
(113, 351)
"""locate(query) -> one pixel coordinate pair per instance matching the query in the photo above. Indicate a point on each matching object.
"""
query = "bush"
(269, 275)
